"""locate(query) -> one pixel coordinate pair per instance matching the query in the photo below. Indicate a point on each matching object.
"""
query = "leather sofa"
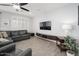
(10, 50)
(5, 43)
(18, 35)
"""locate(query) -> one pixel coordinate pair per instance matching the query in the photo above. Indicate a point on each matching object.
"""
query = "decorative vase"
(69, 53)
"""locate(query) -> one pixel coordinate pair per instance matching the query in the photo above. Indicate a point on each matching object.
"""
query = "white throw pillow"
(3, 40)
(4, 34)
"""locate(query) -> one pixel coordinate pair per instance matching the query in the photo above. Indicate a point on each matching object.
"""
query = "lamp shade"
(67, 27)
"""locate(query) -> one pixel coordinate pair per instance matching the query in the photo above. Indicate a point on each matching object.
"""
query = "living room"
(38, 31)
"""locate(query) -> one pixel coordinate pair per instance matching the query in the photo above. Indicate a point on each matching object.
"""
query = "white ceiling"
(44, 7)
(35, 8)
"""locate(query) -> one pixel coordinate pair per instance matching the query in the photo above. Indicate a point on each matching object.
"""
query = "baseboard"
(46, 39)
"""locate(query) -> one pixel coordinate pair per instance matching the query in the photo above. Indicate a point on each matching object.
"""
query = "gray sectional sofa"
(18, 35)
(10, 50)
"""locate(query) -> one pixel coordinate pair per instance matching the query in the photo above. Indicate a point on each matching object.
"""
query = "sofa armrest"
(7, 48)
(27, 52)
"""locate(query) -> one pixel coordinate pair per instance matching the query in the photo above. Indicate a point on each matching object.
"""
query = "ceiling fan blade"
(6, 4)
(24, 9)
(22, 4)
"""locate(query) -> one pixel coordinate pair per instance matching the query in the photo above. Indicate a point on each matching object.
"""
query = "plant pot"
(70, 53)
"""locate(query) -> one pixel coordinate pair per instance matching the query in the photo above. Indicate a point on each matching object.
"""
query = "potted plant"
(72, 45)
(70, 53)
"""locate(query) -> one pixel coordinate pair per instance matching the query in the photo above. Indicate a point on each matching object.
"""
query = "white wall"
(69, 12)
(15, 21)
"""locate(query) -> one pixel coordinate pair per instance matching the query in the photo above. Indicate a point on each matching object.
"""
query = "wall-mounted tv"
(45, 25)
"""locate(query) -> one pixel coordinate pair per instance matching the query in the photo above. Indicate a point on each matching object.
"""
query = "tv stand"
(49, 37)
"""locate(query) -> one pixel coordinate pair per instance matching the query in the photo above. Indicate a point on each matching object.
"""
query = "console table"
(50, 37)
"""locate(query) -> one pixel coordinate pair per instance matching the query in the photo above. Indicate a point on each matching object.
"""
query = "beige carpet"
(40, 47)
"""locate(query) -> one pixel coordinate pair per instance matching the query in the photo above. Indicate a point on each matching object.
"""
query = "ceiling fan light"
(16, 6)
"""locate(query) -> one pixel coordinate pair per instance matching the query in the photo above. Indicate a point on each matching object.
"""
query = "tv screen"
(45, 25)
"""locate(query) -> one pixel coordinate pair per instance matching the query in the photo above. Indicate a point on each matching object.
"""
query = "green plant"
(72, 45)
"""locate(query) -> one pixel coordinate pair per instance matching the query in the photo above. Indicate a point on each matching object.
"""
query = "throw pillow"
(5, 35)
(3, 40)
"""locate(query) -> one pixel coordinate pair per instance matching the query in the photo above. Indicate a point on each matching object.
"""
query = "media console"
(49, 37)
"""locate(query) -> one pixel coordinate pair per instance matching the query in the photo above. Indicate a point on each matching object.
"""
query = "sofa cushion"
(3, 40)
(5, 43)
(26, 52)
(14, 33)
(16, 52)
(22, 32)
(7, 48)
(16, 36)
(25, 35)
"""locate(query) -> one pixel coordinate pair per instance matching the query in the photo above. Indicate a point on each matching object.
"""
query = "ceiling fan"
(17, 6)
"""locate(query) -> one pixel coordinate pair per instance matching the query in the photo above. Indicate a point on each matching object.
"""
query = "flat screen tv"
(45, 25)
